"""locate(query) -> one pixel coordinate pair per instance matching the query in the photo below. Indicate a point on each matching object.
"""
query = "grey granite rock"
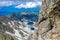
(4, 36)
(49, 22)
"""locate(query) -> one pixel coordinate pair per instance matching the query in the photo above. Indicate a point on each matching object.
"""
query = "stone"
(4, 36)
(49, 21)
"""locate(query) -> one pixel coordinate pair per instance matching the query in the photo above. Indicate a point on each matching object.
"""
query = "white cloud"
(19, 4)
(28, 5)
(6, 3)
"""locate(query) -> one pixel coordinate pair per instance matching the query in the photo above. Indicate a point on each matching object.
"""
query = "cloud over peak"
(28, 5)
(20, 4)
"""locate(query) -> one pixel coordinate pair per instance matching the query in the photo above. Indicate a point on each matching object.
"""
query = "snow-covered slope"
(16, 28)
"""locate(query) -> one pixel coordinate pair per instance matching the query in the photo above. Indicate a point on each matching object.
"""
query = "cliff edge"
(49, 21)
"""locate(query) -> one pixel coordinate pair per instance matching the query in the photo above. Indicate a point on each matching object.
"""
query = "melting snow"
(23, 29)
(18, 35)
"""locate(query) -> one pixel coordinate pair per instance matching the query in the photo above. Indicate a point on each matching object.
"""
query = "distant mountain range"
(19, 23)
(17, 19)
(32, 16)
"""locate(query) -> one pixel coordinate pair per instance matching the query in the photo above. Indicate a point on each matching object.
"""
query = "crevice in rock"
(51, 25)
(42, 20)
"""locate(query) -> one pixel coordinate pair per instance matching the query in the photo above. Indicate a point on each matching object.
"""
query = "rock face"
(4, 36)
(5, 27)
(4, 24)
(49, 22)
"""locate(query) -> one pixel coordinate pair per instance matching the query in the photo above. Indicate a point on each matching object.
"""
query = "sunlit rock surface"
(49, 22)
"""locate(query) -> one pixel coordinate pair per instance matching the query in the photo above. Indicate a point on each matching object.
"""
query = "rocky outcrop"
(4, 26)
(4, 36)
(49, 22)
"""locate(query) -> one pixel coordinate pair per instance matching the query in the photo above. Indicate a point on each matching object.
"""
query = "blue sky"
(10, 6)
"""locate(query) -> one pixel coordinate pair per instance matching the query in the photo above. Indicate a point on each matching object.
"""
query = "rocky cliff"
(49, 22)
